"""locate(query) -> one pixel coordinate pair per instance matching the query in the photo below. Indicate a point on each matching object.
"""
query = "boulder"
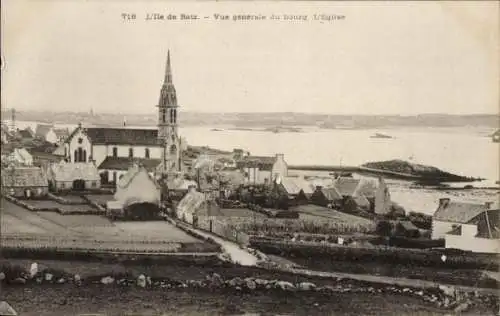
(237, 281)
(2, 276)
(107, 280)
(306, 286)
(447, 290)
(250, 284)
(48, 276)
(141, 281)
(33, 269)
(284, 285)
(461, 308)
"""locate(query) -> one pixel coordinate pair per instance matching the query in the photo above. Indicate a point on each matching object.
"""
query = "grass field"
(318, 213)
(243, 212)
(87, 231)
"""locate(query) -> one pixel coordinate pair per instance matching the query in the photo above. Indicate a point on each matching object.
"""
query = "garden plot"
(155, 231)
(13, 225)
(72, 221)
(314, 212)
(243, 212)
(100, 198)
(48, 204)
(26, 217)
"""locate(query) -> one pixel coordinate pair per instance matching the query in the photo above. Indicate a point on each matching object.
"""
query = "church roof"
(120, 136)
(124, 163)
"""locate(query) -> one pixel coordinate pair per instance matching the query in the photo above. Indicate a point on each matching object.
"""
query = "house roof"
(124, 163)
(61, 132)
(64, 171)
(42, 129)
(24, 177)
(361, 200)
(366, 187)
(458, 212)
(294, 185)
(488, 223)
(132, 172)
(408, 225)
(331, 194)
(262, 162)
(25, 133)
(120, 136)
(191, 202)
(346, 186)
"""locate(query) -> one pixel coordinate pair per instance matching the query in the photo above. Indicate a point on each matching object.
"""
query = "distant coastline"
(286, 122)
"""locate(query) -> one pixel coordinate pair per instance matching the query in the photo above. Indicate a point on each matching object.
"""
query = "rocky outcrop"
(425, 174)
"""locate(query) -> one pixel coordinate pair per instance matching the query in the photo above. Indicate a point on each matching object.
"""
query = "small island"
(379, 135)
(426, 174)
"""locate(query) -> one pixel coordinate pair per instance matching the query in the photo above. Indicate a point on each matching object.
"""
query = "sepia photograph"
(262, 158)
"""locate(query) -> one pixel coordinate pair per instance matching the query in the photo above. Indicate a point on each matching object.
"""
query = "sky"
(383, 58)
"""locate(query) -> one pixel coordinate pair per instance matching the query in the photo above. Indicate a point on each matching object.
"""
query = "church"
(114, 150)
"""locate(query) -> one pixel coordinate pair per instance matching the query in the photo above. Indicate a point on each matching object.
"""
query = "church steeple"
(167, 122)
(168, 70)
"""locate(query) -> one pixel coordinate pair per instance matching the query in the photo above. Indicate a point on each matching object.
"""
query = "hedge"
(454, 259)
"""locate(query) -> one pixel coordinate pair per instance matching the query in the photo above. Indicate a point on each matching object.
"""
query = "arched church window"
(131, 152)
(75, 156)
(175, 116)
(115, 152)
(80, 140)
(84, 158)
(146, 153)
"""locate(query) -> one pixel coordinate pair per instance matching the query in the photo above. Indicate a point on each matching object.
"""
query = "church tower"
(167, 123)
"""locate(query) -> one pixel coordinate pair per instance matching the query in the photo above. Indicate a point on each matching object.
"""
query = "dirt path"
(237, 254)
(390, 280)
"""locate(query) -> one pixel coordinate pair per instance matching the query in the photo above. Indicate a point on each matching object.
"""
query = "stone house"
(24, 182)
(479, 234)
(451, 214)
(261, 169)
(20, 157)
(65, 176)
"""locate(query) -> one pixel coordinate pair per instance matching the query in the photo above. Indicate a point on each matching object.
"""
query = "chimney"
(444, 202)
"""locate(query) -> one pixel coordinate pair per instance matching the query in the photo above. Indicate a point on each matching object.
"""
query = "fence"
(224, 230)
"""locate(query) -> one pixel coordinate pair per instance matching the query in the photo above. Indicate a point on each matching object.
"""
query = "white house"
(480, 234)
(47, 133)
(137, 186)
(261, 170)
(382, 198)
(451, 214)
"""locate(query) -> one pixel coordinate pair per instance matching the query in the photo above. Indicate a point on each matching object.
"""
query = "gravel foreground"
(71, 300)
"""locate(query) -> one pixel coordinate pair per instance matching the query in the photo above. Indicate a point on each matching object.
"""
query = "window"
(173, 149)
(131, 152)
(94, 184)
(115, 152)
(175, 116)
(80, 140)
(146, 153)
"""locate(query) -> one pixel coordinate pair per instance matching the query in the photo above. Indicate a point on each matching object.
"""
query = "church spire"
(168, 70)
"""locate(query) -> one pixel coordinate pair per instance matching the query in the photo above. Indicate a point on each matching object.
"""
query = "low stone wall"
(190, 231)
(61, 200)
(447, 298)
(27, 206)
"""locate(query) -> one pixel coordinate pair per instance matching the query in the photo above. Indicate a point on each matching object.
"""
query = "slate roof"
(120, 136)
(331, 194)
(294, 185)
(408, 225)
(458, 212)
(24, 177)
(361, 200)
(346, 186)
(124, 163)
(262, 162)
(68, 172)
